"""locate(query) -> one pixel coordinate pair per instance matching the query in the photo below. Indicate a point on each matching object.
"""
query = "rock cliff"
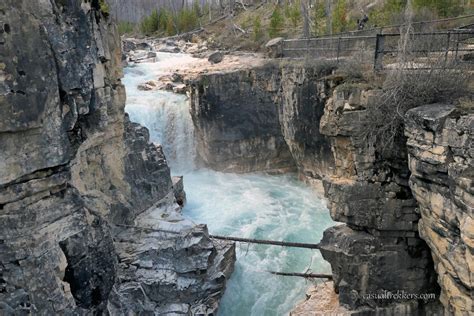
(262, 119)
(236, 122)
(441, 159)
(378, 249)
(380, 262)
(76, 177)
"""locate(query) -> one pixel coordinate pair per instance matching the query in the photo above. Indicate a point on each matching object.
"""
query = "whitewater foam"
(251, 205)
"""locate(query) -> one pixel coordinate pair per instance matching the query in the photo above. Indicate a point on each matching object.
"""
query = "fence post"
(338, 48)
(457, 48)
(307, 48)
(447, 49)
(379, 52)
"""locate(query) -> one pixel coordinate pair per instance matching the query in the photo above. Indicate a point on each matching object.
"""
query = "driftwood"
(267, 242)
(303, 275)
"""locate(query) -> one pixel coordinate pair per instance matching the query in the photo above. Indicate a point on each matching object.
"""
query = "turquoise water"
(252, 205)
(263, 207)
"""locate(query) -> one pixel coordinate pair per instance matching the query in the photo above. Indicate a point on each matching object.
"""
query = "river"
(251, 205)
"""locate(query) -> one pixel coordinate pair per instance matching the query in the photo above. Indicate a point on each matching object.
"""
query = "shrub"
(104, 7)
(151, 23)
(319, 15)
(339, 17)
(257, 28)
(443, 8)
(276, 22)
(197, 8)
(293, 12)
(170, 28)
(390, 13)
(126, 28)
(187, 20)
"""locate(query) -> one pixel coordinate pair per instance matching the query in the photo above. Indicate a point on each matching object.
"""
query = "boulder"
(215, 57)
(274, 47)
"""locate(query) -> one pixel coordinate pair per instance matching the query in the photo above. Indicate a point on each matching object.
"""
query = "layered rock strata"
(236, 122)
(321, 121)
(75, 174)
(378, 249)
(441, 159)
(262, 119)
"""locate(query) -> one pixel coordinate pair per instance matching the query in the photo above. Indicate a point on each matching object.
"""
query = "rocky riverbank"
(83, 193)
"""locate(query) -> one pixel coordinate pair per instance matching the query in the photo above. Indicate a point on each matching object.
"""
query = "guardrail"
(382, 49)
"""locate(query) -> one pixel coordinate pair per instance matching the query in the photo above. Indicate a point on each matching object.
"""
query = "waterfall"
(251, 205)
(165, 114)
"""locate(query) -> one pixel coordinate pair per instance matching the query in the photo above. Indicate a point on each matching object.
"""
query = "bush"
(257, 28)
(390, 13)
(170, 28)
(126, 28)
(293, 12)
(187, 20)
(443, 8)
(340, 20)
(319, 16)
(276, 22)
(151, 23)
(166, 22)
(104, 7)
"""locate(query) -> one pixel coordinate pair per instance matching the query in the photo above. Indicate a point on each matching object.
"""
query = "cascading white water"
(165, 114)
(252, 205)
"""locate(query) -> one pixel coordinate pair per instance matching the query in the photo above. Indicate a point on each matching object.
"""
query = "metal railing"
(382, 49)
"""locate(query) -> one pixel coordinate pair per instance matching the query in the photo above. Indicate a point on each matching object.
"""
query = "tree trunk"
(305, 13)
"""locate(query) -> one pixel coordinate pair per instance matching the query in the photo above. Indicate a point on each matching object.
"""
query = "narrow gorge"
(120, 159)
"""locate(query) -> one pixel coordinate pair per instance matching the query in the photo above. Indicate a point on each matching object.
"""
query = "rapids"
(251, 205)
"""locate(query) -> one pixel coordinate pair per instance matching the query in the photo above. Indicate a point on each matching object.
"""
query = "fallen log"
(267, 242)
(303, 275)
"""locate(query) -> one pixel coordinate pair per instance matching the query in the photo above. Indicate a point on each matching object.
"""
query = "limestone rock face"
(236, 122)
(262, 119)
(301, 100)
(378, 249)
(75, 173)
(441, 159)
(175, 270)
(366, 264)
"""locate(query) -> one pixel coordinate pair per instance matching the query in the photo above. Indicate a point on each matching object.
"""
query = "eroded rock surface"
(378, 249)
(236, 122)
(75, 174)
(441, 160)
(263, 119)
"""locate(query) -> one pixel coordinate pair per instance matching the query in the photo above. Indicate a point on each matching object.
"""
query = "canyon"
(92, 218)
(401, 210)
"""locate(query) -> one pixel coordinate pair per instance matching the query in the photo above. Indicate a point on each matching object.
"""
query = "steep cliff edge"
(262, 119)
(75, 175)
(236, 122)
(441, 159)
(378, 250)
(379, 262)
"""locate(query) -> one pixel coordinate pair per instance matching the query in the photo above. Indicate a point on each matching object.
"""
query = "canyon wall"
(262, 119)
(378, 249)
(237, 123)
(441, 159)
(82, 190)
(383, 248)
